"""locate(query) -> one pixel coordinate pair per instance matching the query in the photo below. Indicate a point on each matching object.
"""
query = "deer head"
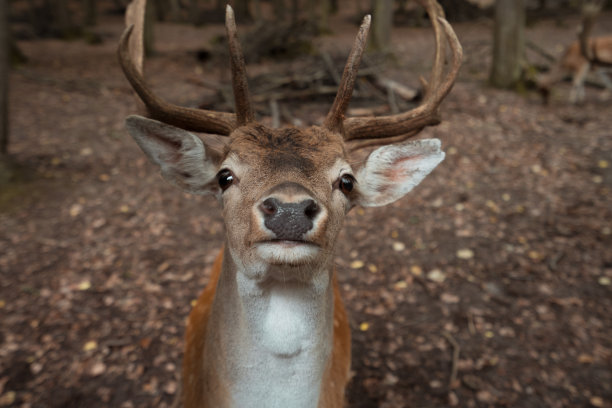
(285, 192)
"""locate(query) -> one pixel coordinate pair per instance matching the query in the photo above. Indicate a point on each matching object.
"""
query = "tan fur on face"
(262, 159)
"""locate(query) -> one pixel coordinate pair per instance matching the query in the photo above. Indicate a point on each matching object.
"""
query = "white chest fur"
(281, 344)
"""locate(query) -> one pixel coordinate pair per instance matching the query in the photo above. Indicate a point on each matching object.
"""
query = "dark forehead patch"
(285, 148)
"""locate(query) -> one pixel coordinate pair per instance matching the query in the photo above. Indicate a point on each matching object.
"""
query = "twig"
(405, 92)
(177, 403)
(471, 326)
(331, 67)
(456, 350)
(298, 94)
(391, 98)
(205, 83)
(275, 113)
(549, 57)
(289, 118)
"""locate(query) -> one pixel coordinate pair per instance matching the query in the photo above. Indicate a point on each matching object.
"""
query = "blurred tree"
(241, 8)
(91, 12)
(381, 25)
(508, 43)
(279, 10)
(148, 34)
(167, 10)
(319, 12)
(4, 80)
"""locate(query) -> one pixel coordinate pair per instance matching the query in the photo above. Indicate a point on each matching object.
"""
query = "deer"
(582, 56)
(270, 328)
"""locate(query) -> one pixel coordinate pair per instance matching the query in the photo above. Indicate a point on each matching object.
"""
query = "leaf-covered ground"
(489, 286)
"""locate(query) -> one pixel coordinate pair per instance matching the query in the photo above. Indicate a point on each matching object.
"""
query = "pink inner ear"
(399, 169)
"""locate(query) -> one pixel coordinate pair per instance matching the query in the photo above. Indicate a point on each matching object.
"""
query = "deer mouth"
(289, 243)
(283, 251)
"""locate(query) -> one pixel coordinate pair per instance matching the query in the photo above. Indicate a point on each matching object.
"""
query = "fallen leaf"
(492, 206)
(535, 255)
(449, 298)
(357, 264)
(90, 345)
(75, 210)
(85, 285)
(97, 369)
(398, 246)
(400, 285)
(465, 253)
(436, 275)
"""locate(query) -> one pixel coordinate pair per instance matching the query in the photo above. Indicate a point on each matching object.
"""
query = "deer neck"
(273, 337)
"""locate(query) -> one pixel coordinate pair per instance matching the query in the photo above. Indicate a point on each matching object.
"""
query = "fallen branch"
(455, 361)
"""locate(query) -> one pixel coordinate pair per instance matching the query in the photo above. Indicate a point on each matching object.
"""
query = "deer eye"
(346, 183)
(225, 178)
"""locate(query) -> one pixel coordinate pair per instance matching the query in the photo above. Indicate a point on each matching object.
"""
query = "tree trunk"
(63, 20)
(91, 12)
(295, 10)
(279, 10)
(381, 26)
(508, 43)
(4, 77)
(242, 9)
(257, 11)
(148, 34)
(324, 11)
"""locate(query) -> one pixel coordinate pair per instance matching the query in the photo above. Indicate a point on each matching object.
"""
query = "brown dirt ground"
(502, 257)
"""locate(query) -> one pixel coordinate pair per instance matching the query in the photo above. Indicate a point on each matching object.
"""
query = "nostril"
(269, 206)
(312, 209)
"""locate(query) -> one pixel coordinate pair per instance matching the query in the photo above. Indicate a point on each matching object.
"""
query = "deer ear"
(181, 156)
(392, 171)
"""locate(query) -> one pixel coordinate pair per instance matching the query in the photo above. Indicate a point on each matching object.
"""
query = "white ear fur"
(392, 171)
(180, 155)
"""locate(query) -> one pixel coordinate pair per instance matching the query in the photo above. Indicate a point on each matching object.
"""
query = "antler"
(242, 98)
(335, 117)
(198, 120)
(371, 131)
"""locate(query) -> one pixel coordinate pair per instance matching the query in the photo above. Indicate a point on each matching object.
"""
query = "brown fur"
(193, 372)
(573, 63)
(215, 393)
(287, 148)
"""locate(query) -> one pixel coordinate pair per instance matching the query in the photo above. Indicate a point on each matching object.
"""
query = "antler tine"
(335, 117)
(135, 16)
(244, 111)
(370, 131)
(130, 59)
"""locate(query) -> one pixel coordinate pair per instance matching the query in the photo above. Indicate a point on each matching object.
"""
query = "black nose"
(289, 221)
